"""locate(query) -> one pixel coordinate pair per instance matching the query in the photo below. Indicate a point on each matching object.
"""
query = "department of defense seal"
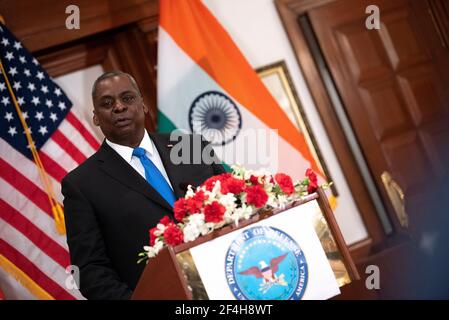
(265, 263)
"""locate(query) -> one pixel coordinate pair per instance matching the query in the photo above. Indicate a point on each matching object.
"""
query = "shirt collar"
(127, 153)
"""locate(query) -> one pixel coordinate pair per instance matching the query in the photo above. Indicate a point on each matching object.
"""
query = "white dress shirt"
(150, 150)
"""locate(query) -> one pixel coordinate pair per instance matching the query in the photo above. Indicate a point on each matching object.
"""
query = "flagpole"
(57, 211)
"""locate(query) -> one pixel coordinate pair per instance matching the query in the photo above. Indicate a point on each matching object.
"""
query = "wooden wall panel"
(40, 24)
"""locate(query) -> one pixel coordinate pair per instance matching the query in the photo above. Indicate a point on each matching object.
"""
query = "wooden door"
(393, 84)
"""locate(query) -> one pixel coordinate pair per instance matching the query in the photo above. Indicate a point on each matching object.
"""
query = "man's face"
(119, 111)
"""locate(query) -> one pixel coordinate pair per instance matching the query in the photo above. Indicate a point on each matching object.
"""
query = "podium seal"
(265, 263)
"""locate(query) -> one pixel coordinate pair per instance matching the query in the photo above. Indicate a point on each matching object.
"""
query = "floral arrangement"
(224, 199)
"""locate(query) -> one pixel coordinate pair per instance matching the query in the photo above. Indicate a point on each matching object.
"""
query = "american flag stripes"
(31, 250)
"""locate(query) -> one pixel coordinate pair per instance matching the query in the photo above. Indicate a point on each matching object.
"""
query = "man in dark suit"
(123, 190)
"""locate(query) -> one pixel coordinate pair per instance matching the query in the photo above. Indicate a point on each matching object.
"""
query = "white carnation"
(192, 229)
(207, 228)
(272, 201)
(154, 250)
(160, 229)
(282, 201)
(228, 201)
(190, 192)
(191, 232)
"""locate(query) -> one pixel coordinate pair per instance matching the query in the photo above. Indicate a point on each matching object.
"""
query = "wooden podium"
(171, 275)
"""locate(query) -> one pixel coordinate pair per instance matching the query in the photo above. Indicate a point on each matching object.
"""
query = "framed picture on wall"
(276, 78)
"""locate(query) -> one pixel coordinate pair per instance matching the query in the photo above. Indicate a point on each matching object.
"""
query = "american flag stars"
(39, 116)
(12, 131)
(42, 103)
(5, 42)
(13, 71)
(17, 85)
(35, 101)
(31, 86)
(9, 56)
(5, 101)
(43, 130)
(9, 116)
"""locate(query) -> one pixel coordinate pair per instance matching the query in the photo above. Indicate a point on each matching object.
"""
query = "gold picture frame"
(277, 79)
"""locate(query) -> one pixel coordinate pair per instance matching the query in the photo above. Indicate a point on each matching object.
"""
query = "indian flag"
(206, 86)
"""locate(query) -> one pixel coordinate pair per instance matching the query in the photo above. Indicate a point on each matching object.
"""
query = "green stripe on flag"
(226, 167)
(164, 124)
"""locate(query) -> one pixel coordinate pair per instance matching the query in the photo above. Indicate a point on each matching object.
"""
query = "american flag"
(33, 256)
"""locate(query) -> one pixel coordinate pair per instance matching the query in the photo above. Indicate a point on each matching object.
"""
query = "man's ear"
(95, 119)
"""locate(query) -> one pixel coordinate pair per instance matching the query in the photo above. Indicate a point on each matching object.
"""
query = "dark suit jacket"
(109, 209)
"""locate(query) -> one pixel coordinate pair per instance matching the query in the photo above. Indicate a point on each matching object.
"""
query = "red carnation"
(313, 181)
(232, 185)
(312, 176)
(312, 187)
(153, 237)
(214, 212)
(181, 208)
(209, 183)
(165, 220)
(173, 235)
(195, 203)
(285, 182)
(256, 195)
(254, 180)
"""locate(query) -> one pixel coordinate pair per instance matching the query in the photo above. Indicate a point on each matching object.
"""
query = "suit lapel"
(174, 172)
(116, 167)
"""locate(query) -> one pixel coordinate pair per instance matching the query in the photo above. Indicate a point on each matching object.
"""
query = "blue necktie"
(155, 177)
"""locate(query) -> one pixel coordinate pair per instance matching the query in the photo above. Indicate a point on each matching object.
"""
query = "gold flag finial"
(2, 20)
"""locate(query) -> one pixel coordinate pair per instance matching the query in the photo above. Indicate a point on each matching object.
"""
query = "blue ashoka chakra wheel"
(216, 117)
